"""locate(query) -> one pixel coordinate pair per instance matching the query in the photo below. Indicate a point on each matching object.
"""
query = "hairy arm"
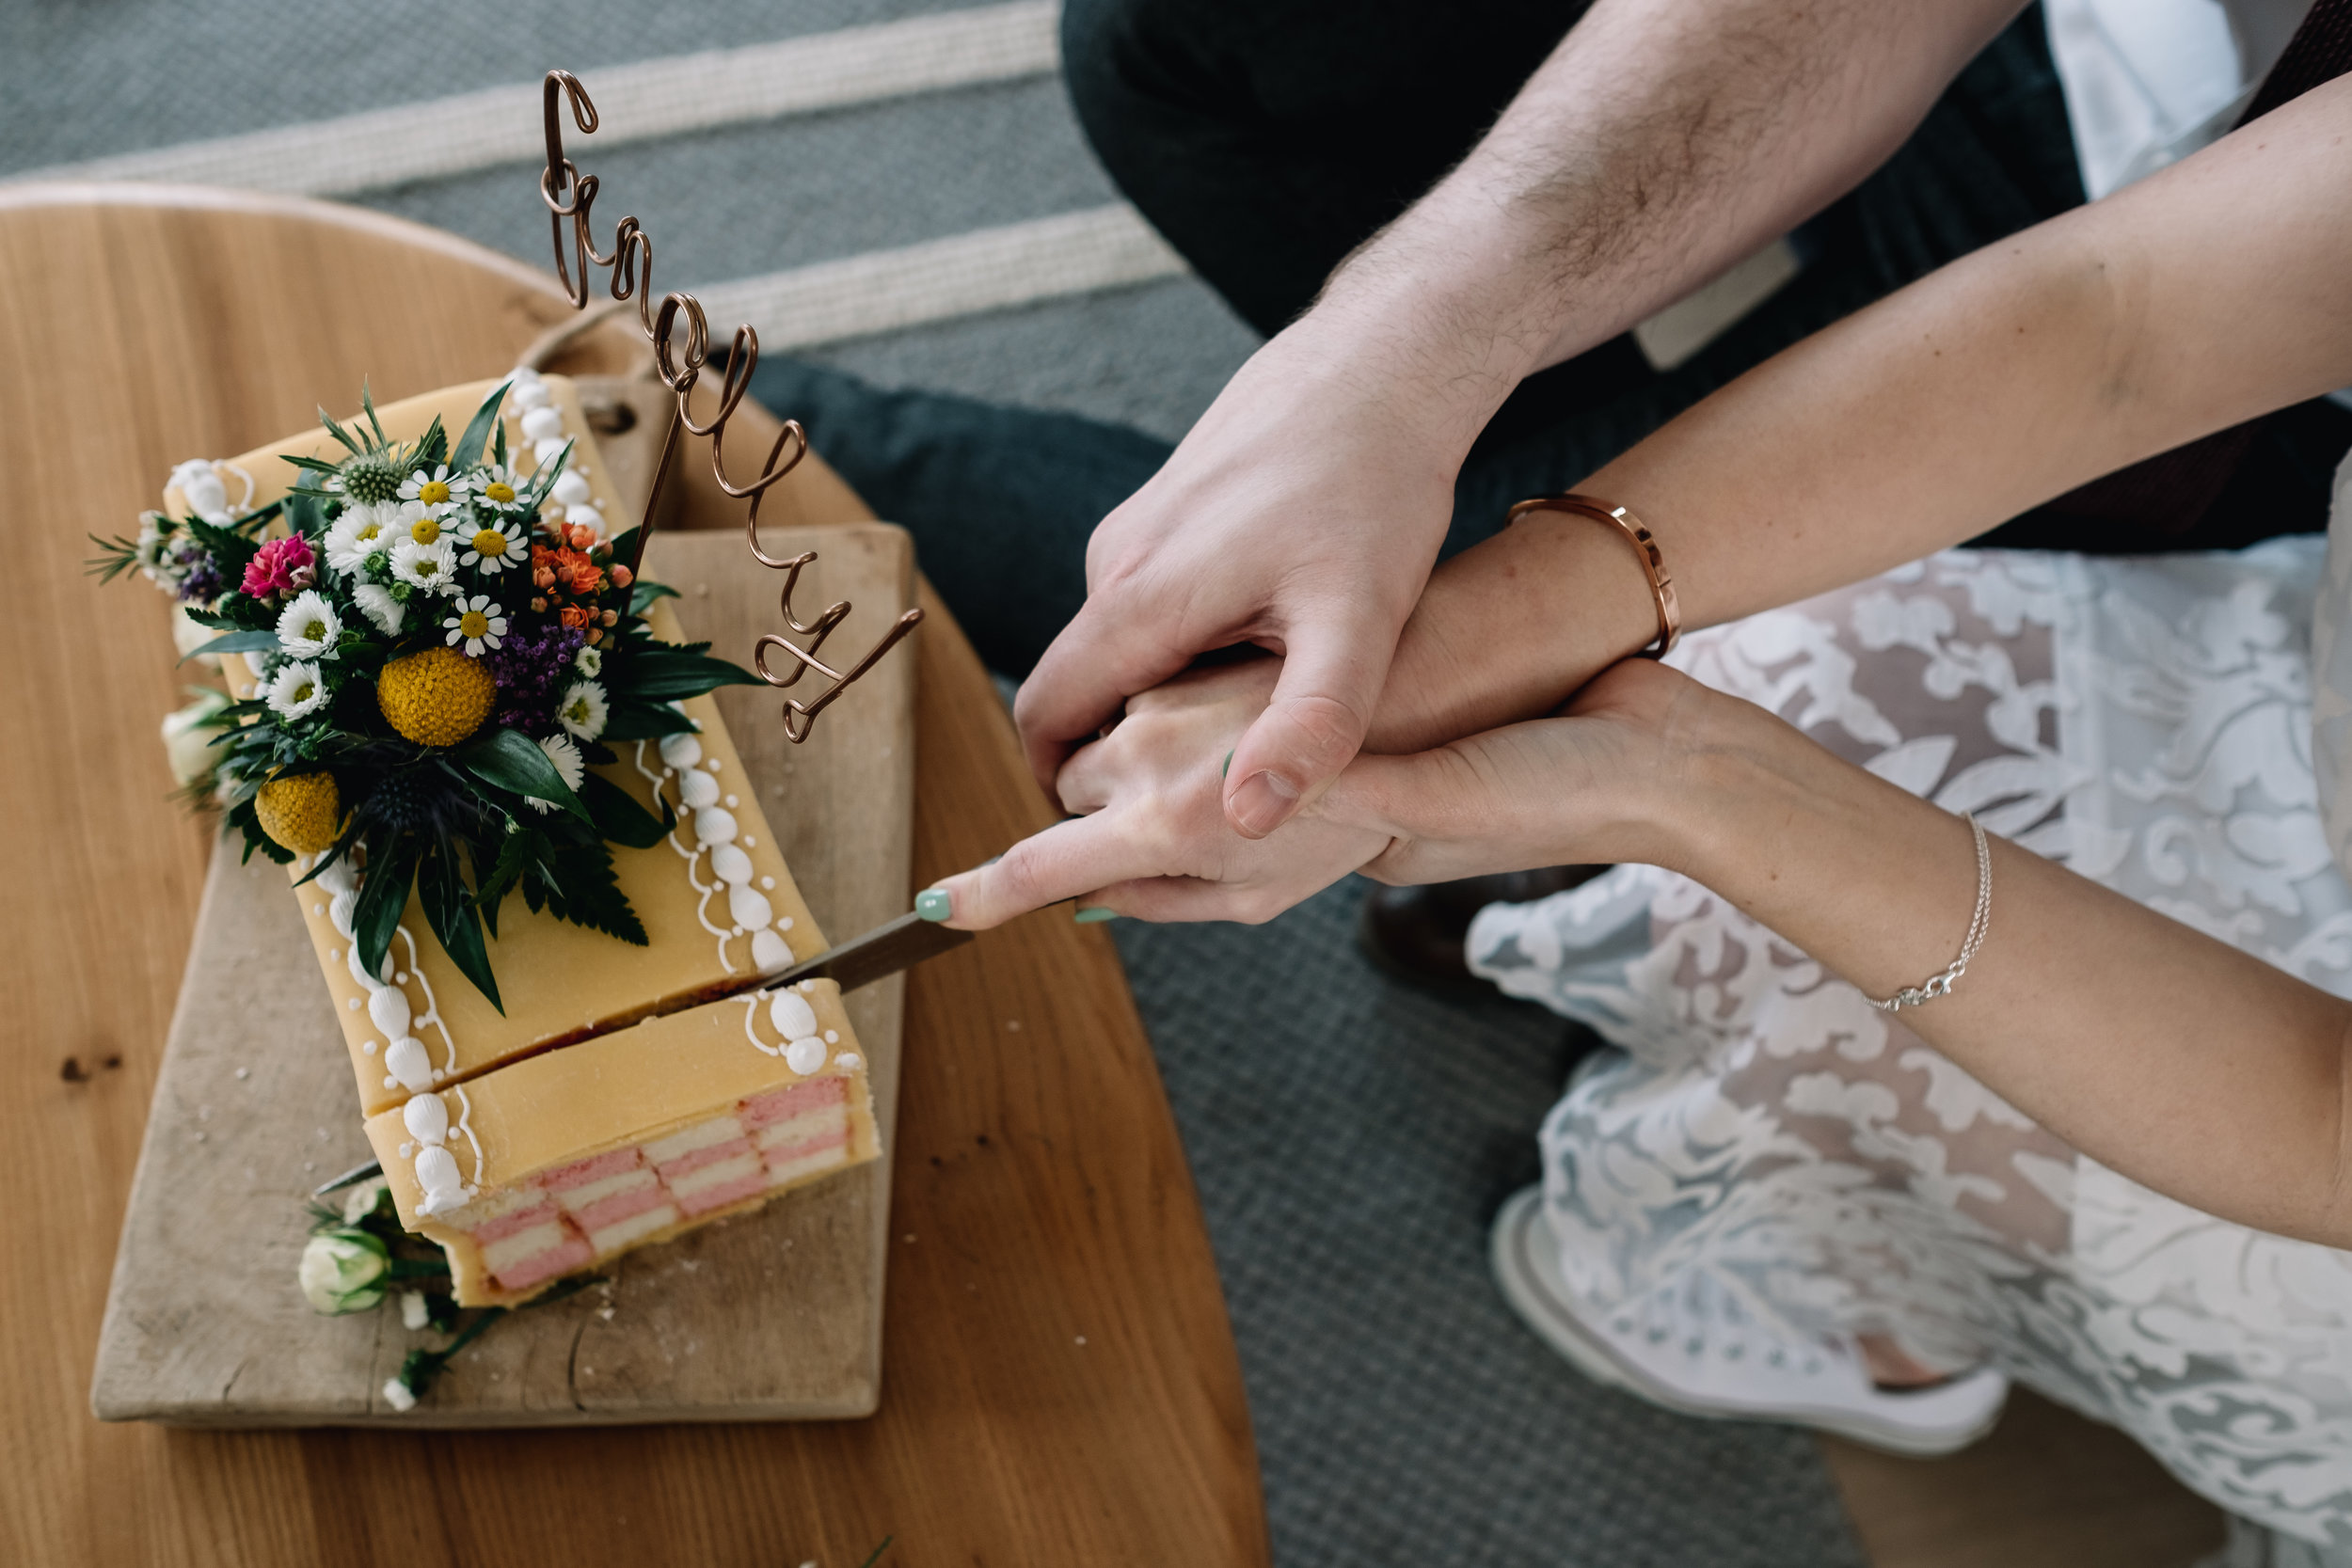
(1658, 145)
(1660, 142)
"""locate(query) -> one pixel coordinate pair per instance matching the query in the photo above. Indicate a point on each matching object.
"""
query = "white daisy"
(432, 567)
(296, 690)
(498, 484)
(583, 709)
(307, 627)
(379, 607)
(414, 520)
(565, 755)
(360, 534)
(494, 548)
(589, 661)
(478, 623)
(437, 491)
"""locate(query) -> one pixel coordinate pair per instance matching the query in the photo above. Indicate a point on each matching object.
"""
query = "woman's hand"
(1600, 783)
(1150, 837)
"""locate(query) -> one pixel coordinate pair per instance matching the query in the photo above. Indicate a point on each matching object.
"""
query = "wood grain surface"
(1060, 1381)
(774, 1316)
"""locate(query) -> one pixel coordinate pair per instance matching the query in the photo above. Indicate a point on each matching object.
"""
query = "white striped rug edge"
(635, 102)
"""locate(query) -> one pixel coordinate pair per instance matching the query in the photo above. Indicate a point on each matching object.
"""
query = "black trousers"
(1267, 138)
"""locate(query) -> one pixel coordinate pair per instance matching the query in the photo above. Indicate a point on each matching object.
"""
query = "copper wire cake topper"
(569, 196)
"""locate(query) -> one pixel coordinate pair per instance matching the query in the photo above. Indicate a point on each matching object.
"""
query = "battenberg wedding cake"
(444, 673)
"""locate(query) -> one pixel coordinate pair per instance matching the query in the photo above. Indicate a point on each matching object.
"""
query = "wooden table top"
(1060, 1385)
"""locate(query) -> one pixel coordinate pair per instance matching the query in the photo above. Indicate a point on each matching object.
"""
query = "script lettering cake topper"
(570, 196)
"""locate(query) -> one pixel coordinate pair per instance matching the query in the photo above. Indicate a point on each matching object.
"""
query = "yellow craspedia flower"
(302, 811)
(437, 697)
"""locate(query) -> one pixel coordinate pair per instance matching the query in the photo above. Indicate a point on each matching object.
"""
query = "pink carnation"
(278, 566)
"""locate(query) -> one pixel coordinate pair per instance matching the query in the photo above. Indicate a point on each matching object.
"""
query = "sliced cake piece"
(547, 1166)
(716, 898)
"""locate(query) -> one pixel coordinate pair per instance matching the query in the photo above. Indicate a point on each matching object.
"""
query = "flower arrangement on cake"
(437, 665)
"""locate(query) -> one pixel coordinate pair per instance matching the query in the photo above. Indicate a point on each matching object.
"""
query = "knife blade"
(887, 949)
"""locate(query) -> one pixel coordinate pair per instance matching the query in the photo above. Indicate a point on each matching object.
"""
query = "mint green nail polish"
(1094, 915)
(1228, 765)
(934, 903)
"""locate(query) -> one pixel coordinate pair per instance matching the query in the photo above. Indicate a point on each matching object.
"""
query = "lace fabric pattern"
(2148, 723)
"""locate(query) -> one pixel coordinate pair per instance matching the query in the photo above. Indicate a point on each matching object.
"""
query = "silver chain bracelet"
(1941, 985)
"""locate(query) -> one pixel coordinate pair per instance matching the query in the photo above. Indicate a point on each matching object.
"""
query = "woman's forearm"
(2195, 300)
(2184, 1064)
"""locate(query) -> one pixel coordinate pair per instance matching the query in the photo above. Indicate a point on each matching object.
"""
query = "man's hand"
(1303, 515)
(1150, 841)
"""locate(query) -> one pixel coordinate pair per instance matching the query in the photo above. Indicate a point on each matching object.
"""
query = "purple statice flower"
(199, 579)
(204, 582)
(532, 666)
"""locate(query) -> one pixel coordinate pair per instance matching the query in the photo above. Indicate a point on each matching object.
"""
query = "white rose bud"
(189, 739)
(361, 1200)
(344, 1271)
(189, 634)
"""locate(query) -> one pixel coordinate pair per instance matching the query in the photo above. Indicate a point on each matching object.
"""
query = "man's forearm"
(1657, 145)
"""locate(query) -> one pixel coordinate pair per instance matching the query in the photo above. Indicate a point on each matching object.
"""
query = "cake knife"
(888, 948)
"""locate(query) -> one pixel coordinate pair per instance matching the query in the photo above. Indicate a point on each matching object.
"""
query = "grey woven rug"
(1350, 1138)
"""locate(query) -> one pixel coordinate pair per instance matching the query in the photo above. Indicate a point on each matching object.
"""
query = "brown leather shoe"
(1417, 933)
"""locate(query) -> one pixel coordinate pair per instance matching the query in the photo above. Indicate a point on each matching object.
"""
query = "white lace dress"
(2147, 722)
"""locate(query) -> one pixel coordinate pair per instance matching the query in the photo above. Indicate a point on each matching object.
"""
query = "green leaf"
(544, 481)
(629, 719)
(644, 593)
(514, 857)
(511, 760)
(336, 431)
(391, 868)
(618, 816)
(236, 643)
(367, 406)
(449, 907)
(585, 892)
(304, 513)
(468, 448)
(316, 464)
(660, 676)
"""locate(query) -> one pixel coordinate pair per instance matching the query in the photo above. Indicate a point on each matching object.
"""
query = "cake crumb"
(605, 1313)
(1082, 1339)
(910, 1238)
(244, 1073)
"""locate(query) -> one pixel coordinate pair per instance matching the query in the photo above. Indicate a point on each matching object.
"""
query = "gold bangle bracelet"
(1661, 587)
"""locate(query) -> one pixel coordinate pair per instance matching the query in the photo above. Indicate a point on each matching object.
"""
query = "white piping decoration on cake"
(407, 1066)
(426, 1116)
(804, 1041)
(465, 1125)
(539, 425)
(198, 480)
(718, 834)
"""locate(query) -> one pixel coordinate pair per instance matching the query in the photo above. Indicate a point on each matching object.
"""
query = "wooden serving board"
(776, 1316)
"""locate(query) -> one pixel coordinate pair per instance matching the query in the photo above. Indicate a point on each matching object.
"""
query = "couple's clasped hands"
(1304, 514)
(1148, 835)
